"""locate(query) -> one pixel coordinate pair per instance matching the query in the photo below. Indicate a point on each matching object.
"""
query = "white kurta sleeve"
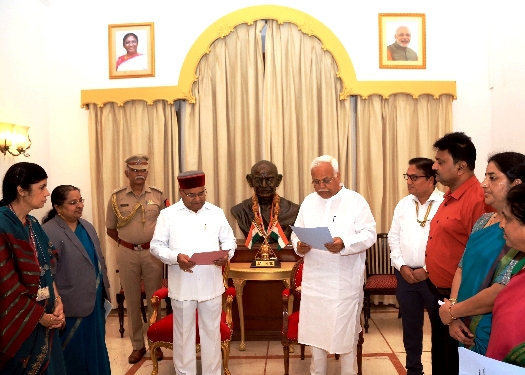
(160, 243)
(364, 234)
(299, 222)
(226, 236)
(394, 239)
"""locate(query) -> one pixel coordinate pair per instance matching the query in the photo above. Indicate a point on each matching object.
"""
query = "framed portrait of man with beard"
(402, 41)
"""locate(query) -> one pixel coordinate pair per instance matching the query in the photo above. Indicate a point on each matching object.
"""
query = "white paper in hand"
(315, 237)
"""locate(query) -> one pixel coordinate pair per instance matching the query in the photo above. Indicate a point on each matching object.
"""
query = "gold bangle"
(453, 300)
(57, 298)
(450, 312)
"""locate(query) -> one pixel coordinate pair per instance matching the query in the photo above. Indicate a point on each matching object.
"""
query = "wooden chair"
(160, 333)
(291, 320)
(120, 305)
(380, 278)
(120, 298)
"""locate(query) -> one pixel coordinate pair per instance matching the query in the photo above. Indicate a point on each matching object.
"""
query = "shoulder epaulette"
(156, 188)
(119, 189)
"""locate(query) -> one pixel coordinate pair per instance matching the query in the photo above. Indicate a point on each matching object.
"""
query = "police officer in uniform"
(130, 220)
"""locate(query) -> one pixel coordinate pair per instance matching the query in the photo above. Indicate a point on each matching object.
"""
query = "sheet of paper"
(107, 307)
(208, 257)
(471, 363)
(315, 237)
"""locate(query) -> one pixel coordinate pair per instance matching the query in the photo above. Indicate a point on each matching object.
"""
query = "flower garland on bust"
(274, 230)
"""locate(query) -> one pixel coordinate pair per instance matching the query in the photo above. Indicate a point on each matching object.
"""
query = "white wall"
(52, 49)
(24, 45)
(507, 73)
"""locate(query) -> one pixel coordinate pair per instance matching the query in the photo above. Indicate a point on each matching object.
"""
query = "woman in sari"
(484, 268)
(31, 311)
(132, 60)
(507, 341)
(81, 279)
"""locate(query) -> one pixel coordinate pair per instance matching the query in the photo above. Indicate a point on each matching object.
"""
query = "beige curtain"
(303, 116)
(116, 133)
(389, 133)
(222, 130)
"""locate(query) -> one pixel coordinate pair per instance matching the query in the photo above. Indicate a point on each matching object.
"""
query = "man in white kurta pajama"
(194, 226)
(332, 286)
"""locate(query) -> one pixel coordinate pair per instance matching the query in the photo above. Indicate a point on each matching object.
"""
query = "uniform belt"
(142, 246)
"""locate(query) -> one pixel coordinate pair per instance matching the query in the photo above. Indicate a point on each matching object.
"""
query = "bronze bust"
(264, 179)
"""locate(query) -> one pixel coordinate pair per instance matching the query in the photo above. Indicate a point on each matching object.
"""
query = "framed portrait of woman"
(131, 50)
(402, 41)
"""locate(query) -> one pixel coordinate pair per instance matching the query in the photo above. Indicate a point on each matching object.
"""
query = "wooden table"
(240, 272)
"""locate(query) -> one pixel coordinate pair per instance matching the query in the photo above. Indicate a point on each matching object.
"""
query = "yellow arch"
(306, 23)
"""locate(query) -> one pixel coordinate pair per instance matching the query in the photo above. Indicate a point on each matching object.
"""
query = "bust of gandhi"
(264, 179)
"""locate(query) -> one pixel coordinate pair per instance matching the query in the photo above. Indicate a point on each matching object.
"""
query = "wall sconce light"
(14, 137)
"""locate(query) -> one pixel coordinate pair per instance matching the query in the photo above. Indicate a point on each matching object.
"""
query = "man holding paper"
(194, 226)
(332, 286)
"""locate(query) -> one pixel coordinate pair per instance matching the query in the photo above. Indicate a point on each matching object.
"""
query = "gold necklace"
(493, 220)
(422, 223)
(257, 215)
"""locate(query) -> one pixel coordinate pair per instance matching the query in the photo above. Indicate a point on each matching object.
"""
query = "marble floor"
(383, 352)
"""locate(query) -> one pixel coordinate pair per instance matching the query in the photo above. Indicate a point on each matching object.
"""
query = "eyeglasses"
(195, 195)
(413, 177)
(258, 181)
(76, 202)
(325, 181)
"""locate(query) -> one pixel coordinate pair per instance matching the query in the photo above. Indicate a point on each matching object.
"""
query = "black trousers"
(445, 358)
(413, 299)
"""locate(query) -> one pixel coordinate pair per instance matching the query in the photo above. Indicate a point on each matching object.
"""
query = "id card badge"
(42, 294)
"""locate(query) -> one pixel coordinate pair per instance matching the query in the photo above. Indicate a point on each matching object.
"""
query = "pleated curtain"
(116, 133)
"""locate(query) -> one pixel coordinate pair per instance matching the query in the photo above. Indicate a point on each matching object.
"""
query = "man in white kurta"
(332, 285)
(407, 239)
(190, 226)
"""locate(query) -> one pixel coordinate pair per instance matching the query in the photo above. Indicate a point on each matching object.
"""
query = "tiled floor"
(383, 352)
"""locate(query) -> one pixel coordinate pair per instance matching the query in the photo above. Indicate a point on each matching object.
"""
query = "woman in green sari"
(484, 268)
(31, 311)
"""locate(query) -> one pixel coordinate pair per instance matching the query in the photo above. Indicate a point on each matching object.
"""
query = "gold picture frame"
(402, 41)
(131, 50)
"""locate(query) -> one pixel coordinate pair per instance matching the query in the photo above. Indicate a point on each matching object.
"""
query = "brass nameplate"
(274, 263)
(265, 263)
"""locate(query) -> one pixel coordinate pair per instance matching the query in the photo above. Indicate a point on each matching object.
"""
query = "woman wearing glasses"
(484, 268)
(81, 279)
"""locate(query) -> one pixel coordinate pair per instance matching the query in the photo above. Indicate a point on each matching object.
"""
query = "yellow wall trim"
(306, 23)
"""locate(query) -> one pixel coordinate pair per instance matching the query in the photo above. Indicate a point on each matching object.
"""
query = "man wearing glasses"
(407, 239)
(264, 179)
(333, 277)
(191, 226)
(130, 220)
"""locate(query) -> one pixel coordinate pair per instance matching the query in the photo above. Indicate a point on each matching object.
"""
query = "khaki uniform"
(135, 265)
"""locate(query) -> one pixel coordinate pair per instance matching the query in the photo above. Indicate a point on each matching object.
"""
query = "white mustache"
(322, 190)
(140, 177)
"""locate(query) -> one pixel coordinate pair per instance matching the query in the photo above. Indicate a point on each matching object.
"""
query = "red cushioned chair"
(380, 278)
(291, 320)
(160, 333)
(120, 304)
